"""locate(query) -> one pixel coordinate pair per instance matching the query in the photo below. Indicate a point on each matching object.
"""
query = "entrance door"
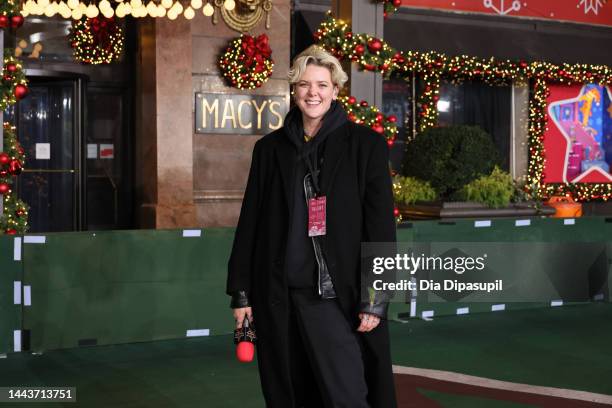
(49, 130)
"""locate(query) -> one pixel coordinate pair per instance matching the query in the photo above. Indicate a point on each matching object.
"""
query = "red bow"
(255, 50)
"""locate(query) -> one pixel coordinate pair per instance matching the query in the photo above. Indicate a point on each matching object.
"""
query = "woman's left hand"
(368, 322)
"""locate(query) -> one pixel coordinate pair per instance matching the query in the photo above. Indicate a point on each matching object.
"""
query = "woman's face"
(314, 92)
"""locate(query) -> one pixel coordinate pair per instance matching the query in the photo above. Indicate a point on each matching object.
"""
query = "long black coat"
(355, 178)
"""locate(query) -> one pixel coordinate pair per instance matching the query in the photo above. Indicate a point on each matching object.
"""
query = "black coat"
(355, 178)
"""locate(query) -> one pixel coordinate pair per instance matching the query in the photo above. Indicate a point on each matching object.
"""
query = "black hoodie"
(300, 260)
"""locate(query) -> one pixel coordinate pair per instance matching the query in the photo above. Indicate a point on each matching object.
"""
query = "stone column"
(164, 167)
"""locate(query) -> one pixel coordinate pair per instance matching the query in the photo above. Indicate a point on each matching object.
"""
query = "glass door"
(49, 130)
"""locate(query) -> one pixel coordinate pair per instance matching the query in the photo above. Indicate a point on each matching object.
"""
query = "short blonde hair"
(317, 56)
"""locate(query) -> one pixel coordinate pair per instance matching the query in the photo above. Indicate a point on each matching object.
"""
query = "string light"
(76, 9)
(96, 41)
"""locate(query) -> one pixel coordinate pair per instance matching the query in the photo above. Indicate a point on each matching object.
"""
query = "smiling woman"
(317, 188)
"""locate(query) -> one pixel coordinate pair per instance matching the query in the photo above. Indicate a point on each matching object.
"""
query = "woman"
(299, 279)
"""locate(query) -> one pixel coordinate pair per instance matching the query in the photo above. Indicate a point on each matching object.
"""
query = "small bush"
(495, 190)
(408, 190)
(450, 157)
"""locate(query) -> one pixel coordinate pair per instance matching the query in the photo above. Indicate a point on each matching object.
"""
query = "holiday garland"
(14, 83)
(10, 17)
(391, 6)
(14, 217)
(247, 62)
(96, 40)
(367, 115)
(373, 54)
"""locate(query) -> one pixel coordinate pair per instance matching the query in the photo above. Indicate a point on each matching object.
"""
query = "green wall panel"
(10, 314)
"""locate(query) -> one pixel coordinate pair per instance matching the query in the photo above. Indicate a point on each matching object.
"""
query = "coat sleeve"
(379, 222)
(240, 262)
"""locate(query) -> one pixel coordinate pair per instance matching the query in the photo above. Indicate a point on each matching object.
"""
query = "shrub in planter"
(495, 190)
(408, 190)
(450, 157)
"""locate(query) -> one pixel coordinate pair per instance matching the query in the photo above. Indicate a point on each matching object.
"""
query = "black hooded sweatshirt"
(300, 261)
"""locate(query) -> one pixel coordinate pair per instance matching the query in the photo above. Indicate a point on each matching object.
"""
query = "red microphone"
(245, 338)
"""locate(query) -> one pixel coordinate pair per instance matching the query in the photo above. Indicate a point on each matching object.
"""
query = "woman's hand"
(368, 322)
(240, 314)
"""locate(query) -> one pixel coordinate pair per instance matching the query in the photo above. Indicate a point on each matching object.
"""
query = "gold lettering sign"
(239, 114)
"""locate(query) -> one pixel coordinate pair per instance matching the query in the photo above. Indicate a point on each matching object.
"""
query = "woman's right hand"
(240, 314)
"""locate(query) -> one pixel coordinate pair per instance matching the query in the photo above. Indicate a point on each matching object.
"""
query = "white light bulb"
(108, 13)
(135, 3)
(120, 11)
(161, 11)
(73, 4)
(127, 9)
(77, 14)
(24, 12)
(229, 5)
(208, 10)
(43, 3)
(166, 3)
(142, 11)
(63, 9)
(82, 7)
(196, 4)
(92, 11)
(189, 13)
(104, 4)
(152, 9)
(178, 8)
(172, 15)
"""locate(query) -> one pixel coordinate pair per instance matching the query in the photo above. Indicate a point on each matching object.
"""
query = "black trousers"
(325, 355)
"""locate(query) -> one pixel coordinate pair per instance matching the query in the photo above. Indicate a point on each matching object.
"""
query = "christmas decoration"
(499, 8)
(391, 6)
(15, 212)
(96, 40)
(9, 14)
(247, 62)
(14, 84)
(370, 116)
(431, 67)
(591, 5)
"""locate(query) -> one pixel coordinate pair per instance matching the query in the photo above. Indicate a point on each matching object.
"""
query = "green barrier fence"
(112, 287)
(11, 278)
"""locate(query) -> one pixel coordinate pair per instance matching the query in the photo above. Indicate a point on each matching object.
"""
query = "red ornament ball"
(20, 91)
(348, 35)
(4, 21)
(396, 212)
(4, 158)
(374, 45)
(352, 100)
(392, 118)
(352, 117)
(19, 212)
(16, 21)
(4, 188)
(10, 67)
(378, 128)
(11, 231)
(397, 3)
(3, 173)
(15, 167)
(379, 117)
(359, 49)
(364, 104)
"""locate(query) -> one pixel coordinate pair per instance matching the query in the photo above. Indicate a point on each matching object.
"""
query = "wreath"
(96, 40)
(247, 62)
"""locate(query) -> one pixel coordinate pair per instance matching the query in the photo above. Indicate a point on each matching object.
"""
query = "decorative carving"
(246, 14)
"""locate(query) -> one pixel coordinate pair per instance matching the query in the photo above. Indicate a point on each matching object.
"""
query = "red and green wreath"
(9, 14)
(247, 62)
(14, 85)
(96, 40)
(14, 218)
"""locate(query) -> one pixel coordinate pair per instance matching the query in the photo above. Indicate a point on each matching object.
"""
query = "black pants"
(325, 356)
